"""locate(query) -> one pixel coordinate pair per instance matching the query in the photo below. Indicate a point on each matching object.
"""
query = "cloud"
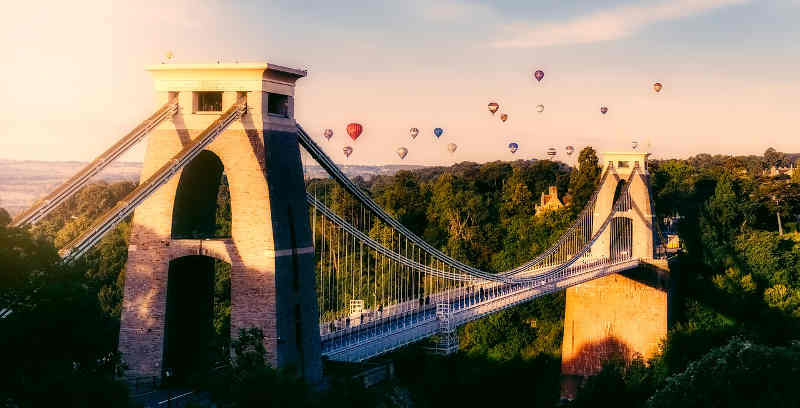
(451, 10)
(608, 25)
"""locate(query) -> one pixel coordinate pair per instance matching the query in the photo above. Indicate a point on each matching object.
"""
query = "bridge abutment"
(619, 316)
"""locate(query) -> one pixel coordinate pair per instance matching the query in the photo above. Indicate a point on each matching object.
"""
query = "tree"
(723, 216)
(405, 200)
(585, 178)
(25, 261)
(249, 381)
(739, 374)
(673, 186)
(618, 384)
(781, 199)
(773, 158)
(57, 345)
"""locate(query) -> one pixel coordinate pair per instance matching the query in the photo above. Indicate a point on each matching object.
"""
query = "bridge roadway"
(374, 337)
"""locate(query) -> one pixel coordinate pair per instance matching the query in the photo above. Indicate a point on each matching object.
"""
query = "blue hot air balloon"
(438, 132)
(513, 147)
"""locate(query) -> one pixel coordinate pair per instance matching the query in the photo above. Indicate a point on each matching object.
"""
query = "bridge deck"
(371, 338)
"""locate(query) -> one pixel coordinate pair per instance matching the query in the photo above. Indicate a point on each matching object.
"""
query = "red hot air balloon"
(539, 74)
(603, 110)
(504, 117)
(657, 86)
(493, 107)
(354, 130)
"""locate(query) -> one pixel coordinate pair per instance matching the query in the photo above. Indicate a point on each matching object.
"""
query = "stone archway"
(197, 329)
(198, 199)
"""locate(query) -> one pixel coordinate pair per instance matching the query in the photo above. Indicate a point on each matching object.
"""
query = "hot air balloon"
(540, 108)
(513, 147)
(504, 117)
(347, 151)
(635, 144)
(551, 151)
(493, 107)
(569, 150)
(413, 132)
(657, 86)
(354, 130)
(402, 152)
(451, 147)
(603, 110)
(539, 74)
(438, 132)
(170, 55)
(328, 133)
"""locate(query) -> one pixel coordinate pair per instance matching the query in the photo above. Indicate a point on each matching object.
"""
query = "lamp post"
(168, 374)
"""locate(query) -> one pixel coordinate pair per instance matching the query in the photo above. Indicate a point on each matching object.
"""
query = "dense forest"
(735, 340)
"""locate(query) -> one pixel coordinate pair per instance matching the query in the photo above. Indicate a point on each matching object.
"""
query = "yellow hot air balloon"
(170, 55)
(657, 86)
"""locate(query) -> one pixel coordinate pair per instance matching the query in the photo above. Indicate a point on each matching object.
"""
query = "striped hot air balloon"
(347, 150)
(413, 132)
(328, 133)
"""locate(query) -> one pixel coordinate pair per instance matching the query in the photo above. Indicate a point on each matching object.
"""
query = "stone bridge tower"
(625, 314)
(269, 248)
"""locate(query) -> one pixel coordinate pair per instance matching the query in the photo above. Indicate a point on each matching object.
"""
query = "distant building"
(549, 201)
(776, 171)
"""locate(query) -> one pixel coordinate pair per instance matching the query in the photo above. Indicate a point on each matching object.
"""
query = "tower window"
(209, 101)
(278, 104)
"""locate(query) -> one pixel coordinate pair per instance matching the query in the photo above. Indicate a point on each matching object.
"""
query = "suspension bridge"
(316, 264)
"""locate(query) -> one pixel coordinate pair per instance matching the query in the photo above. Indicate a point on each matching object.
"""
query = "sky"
(73, 78)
